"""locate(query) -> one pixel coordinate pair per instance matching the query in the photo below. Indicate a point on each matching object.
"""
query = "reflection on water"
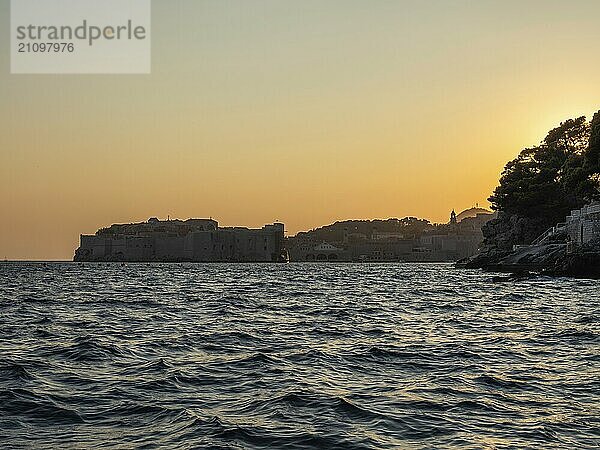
(295, 356)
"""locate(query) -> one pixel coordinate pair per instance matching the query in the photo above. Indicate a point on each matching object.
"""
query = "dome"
(471, 212)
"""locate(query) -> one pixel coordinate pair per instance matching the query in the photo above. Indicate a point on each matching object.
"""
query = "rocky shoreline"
(548, 204)
(553, 259)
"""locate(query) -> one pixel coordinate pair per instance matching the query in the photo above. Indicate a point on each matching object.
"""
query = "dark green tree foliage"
(592, 157)
(548, 181)
(409, 227)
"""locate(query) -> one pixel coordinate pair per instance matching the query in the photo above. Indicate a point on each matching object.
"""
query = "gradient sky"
(304, 112)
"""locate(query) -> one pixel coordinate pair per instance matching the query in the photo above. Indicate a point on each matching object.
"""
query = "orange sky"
(304, 112)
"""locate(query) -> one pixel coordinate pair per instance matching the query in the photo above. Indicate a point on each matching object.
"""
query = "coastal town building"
(460, 238)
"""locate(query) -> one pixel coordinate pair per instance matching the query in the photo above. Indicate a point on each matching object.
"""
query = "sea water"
(292, 356)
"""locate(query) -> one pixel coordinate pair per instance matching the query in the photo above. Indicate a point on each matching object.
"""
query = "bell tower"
(453, 218)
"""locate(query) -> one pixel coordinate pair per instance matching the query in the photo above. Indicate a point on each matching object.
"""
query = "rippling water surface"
(295, 356)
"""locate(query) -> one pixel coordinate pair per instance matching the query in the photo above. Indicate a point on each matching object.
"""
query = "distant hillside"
(410, 227)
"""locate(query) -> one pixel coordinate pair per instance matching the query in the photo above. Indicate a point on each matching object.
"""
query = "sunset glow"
(304, 113)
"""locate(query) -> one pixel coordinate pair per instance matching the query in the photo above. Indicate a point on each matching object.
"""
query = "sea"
(295, 356)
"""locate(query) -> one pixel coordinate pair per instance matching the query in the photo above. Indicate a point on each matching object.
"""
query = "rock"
(549, 259)
(501, 235)
(508, 230)
(582, 263)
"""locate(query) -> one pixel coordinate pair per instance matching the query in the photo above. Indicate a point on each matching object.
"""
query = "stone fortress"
(192, 240)
(583, 225)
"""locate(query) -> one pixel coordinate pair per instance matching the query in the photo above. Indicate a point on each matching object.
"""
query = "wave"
(42, 321)
(14, 371)
(579, 334)
(89, 349)
(573, 334)
(589, 319)
(389, 353)
(262, 437)
(497, 381)
(27, 405)
(158, 365)
(147, 411)
(257, 360)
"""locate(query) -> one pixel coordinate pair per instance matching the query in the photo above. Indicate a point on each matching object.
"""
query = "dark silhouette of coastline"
(202, 240)
(548, 204)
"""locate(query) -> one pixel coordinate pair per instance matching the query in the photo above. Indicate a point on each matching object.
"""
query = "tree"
(547, 181)
(592, 156)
